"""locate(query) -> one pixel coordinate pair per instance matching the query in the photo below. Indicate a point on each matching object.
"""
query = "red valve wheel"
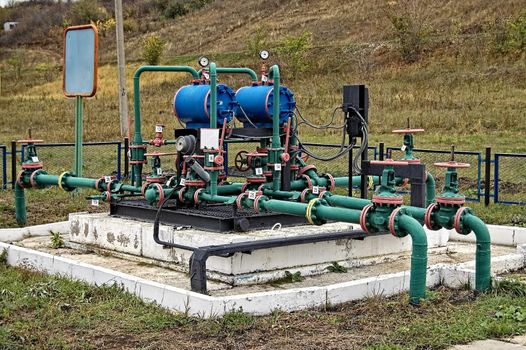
(160, 154)
(452, 164)
(285, 157)
(219, 160)
(30, 141)
(241, 161)
(389, 162)
(407, 131)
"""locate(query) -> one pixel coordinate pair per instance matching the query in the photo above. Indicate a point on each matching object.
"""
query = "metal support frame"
(416, 173)
(487, 176)
(4, 166)
(200, 255)
(13, 164)
(496, 189)
(357, 97)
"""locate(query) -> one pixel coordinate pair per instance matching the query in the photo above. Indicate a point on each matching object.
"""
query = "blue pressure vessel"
(256, 103)
(191, 105)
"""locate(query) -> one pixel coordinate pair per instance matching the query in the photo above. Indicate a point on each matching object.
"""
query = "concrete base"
(102, 231)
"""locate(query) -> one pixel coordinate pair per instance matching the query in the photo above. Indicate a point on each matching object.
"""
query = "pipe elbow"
(478, 227)
(414, 229)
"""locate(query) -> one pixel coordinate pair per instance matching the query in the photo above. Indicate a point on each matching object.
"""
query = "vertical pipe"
(78, 136)
(126, 157)
(4, 168)
(20, 205)
(483, 253)
(430, 189)
(487, 176)
(274, 153)
(13, 164)
(119, 150)
(417, 279)
(496, 180)
(213, 96)
(382, 146)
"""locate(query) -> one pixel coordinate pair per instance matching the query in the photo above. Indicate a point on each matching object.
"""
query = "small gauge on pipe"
(203, 61)
(263, 54)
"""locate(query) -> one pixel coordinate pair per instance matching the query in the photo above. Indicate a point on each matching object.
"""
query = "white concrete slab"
(17, 234)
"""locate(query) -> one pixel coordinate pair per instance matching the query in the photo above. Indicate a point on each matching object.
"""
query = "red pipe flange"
(308, 179)
(363, 217)
(169, 182)
(196, 195)
(180, 194)
(161, 194)
(260, 188)
(322, 194)
(332, 182)
(32, 166)
(32, 178)
(143, 188)
(244, 187)
(398, 200)
(108, 196)
(108, 187)
(427, 216)
(256, 203)
(451, 200)
(306, 168)
(303, 194)
(97, 183)
(458, 217)
(19, 179)
(392, 221)
(238, 200)
(389, 161)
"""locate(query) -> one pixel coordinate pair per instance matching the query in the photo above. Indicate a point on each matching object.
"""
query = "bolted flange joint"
(310, 213)
(458, 223)
(393, 222)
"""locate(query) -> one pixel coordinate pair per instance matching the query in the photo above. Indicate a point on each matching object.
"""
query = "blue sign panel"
(80, 61)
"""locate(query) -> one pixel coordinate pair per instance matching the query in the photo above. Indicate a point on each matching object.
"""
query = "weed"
(509, 286)
(512, 312)
(153, 48)
(3, 257)
(336, 267)
(56, 240)
(293, 277)
(293, 51)
(237, 321)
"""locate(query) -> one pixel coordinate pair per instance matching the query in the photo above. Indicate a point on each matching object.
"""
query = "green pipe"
(220, 199)
(213, 95)
(416, 212)
(347, 202)
(274, 75)
(430, 189)
(417, 279)
(230, 189)
(338, 214)
(229, 70)
(137, 153)
(278, 206)
(20, 206)
(483, 253)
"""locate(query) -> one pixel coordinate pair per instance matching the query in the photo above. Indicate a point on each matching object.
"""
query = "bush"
(175, 9)
(153, 48)
(87, 11)
(293, 50)
(410, 29)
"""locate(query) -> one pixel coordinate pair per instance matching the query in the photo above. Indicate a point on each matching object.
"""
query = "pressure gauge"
(263, 54)
(203, 61)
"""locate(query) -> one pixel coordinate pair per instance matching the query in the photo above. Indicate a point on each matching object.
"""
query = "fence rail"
(507, 185)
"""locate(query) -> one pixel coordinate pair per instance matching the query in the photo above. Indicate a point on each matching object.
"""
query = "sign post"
(80, 76)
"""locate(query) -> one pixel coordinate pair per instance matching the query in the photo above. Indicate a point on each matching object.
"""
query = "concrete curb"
(17, 234)
(500, 235)
(205, 306)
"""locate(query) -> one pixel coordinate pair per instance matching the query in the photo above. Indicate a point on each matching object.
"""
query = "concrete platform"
(101, 231)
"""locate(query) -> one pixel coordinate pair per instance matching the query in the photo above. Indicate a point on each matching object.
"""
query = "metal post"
(119, 158)
(381, 148)
(121, 62)
(126, 157)
(487, 176)
(4, 168)
(13, 164)
(78, 136)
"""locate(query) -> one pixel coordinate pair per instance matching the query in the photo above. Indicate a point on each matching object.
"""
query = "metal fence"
(507, 185)
(510, 178)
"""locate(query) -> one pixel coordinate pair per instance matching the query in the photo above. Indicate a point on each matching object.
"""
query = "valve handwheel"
(452, 164)
(241, 161)
(407, 131)
(30, 141)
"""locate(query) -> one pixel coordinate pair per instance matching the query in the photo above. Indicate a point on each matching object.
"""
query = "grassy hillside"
(466, 84)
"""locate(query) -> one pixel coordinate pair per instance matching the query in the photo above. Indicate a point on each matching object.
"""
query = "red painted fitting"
(161, 194)
(196, 195)
(407, 131)
(322, 194)
(97, 183)
(285, 157)
(427, 215)
(363, 217)
(19, 179)
(134, 162)
(195, 183)
(244, 187)
(308, 179)
(256, 180)
(303, 194)
(108, 187)
(451, 200)
(219, 160)
(306, 168)
(213, 167)
(458, 217)
(294, 167)
(260, 188)
(267, 173)
(143, 188)
(398, 200)
(180, 194)
(32, 179)
(389, 161)
(256, 204)
(238, 200)
(392, 221)
(108, 196)
(412, 161)
(332, 182)
(32, 166)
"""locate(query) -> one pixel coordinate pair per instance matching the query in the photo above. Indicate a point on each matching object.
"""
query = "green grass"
(40, 311)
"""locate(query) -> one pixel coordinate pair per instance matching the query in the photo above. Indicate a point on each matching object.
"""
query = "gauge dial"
(203, 61)
(264, 54)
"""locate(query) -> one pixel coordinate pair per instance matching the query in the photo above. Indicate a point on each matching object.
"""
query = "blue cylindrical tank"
(191, 105)
(257, 103)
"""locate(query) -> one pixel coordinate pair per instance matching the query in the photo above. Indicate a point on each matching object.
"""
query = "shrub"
(87, 11)
(293, 50)
(153, 48)
(410, 29)
(257, 42)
